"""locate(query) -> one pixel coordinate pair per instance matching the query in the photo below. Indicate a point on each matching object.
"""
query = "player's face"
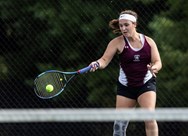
(127, 27)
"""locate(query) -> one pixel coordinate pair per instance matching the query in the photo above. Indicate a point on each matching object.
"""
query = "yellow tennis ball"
(49, 88)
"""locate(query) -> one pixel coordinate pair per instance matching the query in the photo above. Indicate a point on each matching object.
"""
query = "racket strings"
(58, 81)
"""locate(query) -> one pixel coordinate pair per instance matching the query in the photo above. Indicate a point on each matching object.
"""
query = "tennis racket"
(52, 82)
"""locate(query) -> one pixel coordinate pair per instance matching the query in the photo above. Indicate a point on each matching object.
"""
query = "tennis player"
(139, 63)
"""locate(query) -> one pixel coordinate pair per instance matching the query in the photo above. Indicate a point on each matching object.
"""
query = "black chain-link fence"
(66, 35)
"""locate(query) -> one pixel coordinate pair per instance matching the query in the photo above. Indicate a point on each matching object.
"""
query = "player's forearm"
(102, 63)
(98, 64)
(156, 66)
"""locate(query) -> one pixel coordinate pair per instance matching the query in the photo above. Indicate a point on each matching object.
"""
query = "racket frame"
(74, 73)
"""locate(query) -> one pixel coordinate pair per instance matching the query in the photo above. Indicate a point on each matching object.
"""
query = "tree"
(169, 31)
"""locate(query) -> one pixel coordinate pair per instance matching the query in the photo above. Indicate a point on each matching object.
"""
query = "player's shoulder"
(148, 38)
(150, 41)
(117, 43)
(117, 40)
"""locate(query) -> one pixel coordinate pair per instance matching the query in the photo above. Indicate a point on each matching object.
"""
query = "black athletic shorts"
(135, 92)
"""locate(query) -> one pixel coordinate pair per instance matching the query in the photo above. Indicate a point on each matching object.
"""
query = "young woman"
(139, 63)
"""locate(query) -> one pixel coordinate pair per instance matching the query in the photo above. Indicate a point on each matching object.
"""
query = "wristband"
(97, 64)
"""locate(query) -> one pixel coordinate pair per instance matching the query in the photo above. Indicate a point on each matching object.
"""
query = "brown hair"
(114, 24)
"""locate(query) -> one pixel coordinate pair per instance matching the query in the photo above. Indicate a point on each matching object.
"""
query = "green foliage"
(38, 35)
(173, 78)
(68, 35)
(169, 30)
(3, 68)
(170, 33)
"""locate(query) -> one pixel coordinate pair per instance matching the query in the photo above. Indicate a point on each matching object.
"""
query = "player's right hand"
(94, 66)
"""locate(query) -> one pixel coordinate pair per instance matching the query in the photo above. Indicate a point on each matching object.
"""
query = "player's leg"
(147, 100)
(124, 99)
(120, 126)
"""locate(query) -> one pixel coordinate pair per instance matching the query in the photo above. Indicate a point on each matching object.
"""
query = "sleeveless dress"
(133, 64)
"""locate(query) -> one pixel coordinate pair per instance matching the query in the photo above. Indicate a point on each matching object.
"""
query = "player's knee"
(120, 128)
(151, 124)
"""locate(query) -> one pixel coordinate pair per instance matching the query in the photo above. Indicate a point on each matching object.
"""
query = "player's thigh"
(124, 102)
(147, 100)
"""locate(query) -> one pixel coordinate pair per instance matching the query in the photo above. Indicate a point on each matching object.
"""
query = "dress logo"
(136, 58)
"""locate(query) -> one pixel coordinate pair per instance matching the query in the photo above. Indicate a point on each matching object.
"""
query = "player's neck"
(135, 36)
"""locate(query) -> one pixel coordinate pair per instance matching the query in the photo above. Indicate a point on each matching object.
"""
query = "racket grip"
(84, 70)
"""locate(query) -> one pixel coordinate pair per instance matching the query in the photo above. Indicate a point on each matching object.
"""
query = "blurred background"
(66, 35)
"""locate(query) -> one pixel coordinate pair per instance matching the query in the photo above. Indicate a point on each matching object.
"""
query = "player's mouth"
(125, 33)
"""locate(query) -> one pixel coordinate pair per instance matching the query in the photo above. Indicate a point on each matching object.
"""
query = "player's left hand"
(153, 69)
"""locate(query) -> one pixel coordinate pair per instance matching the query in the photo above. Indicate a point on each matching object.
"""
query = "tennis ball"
(49, 88)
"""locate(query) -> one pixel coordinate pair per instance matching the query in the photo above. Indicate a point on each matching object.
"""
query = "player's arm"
(156, 63)
(109, 53)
